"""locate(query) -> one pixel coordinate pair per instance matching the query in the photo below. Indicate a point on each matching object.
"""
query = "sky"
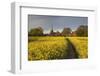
(58, 22)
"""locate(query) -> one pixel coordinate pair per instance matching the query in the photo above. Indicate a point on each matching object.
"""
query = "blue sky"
(58, 22)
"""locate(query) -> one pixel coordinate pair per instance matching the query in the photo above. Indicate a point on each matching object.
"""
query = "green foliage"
(82, 31)
(36, 32)
(66, 32)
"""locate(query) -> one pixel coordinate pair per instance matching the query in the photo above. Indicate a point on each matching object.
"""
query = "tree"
(73, 34)
(82, 31)
(36, 32)
(57, 33)
(66, 32)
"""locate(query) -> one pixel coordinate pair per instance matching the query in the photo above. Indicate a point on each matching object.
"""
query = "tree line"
(81, 31)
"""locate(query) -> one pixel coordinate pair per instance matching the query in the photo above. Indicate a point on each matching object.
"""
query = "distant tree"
(57, 33)
(66, 32)
(36, 32)
(73, 34)
(82, 31)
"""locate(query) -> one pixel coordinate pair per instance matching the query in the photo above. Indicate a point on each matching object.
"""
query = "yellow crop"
(44, 48)
(81, 45)
(49, 47)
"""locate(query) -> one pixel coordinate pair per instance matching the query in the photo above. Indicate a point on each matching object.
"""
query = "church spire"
(51, 32)
(52, 27)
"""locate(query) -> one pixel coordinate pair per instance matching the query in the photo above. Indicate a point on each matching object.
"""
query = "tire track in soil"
(72, 54)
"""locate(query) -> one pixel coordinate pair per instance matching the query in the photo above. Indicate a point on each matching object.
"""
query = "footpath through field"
(71, 50)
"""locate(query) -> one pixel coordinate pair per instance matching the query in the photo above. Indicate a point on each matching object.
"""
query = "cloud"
(58, 22)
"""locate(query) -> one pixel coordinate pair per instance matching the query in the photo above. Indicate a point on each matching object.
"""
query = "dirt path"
(72, 54)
